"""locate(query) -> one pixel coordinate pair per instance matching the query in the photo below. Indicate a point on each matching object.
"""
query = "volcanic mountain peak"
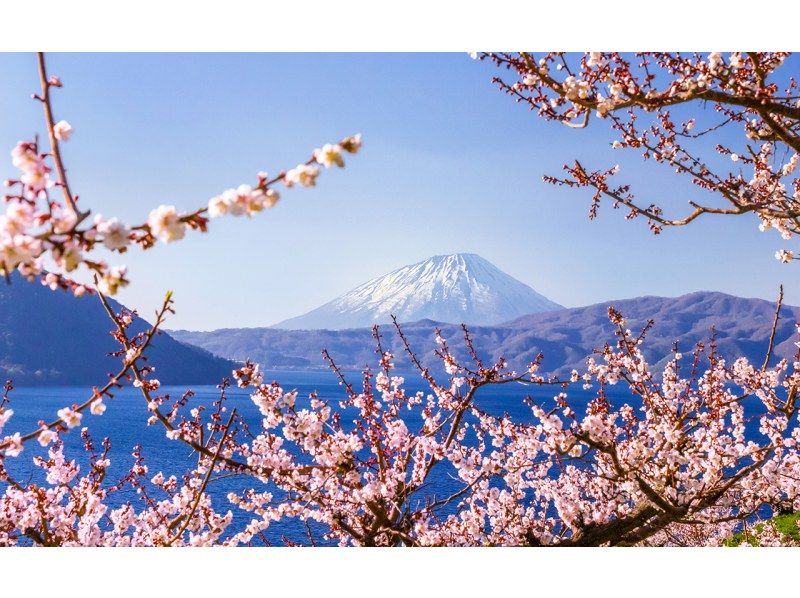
(456, 288)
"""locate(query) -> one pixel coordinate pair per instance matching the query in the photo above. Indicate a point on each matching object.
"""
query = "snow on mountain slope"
(457, 288)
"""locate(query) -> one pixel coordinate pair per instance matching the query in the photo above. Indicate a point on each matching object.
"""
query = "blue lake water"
(124, 422)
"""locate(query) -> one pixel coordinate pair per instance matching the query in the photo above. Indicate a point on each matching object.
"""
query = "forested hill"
(52, 338)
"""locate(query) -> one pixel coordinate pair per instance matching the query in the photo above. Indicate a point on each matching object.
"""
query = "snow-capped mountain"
(457, 288)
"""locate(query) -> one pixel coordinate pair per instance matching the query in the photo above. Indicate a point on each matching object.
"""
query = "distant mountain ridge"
(460, 287)
(52, 338)
(566, 337)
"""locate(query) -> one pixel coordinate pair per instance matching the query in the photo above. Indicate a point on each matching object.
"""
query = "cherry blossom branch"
(70, 417)
(625, 90)
(35, 226)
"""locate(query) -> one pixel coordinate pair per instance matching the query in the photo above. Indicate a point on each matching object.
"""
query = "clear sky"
(449, 164)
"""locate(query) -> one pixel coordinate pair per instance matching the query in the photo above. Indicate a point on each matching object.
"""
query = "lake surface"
(124, 422)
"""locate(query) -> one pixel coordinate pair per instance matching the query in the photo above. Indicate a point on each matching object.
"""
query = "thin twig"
(202, 489)
(51, 134)
(778, 305)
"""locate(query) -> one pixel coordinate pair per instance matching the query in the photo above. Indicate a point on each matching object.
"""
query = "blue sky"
(449, 164)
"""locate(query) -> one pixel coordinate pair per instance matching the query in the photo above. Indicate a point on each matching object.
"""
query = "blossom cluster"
(75, 510)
